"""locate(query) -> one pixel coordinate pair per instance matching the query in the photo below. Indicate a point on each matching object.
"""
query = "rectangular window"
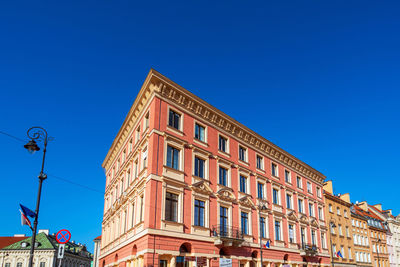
(311, 209)
(173, 157)
(7, 264)
(223, 144)
(347, 232)
(260, 164)
(291, 233)
(300, 202)
(199, 213)
(262, 227)
(144, 158)
(319, 192)
(242, 153)
(199, 132)
(243, 183)
(133, 216)
(141, 208)
(320, 216)
(42, 264)
(277, 230)
(223, 175)
(171, 207)
(223, 221)
(309, 188)
(274, 169)
(174, 119)
(287, 176)
(275, 196)
(244, 222)
(288, 201)
(313, 239)
(146, 120)
(299, 182)
(137, 134)
(199, 165)
(330, 208)
(340, 230)
(323, 240)
(136, 168)
(130, 145)
(345, 213)
(260, 190)
(303, 235)
(338, 211)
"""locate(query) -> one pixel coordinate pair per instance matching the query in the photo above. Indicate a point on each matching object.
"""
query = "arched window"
(185, 248)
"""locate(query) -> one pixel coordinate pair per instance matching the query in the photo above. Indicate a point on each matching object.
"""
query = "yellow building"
(338, 215)
(361, 237)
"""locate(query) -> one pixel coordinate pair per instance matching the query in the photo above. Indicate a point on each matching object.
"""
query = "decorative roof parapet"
(160, 85)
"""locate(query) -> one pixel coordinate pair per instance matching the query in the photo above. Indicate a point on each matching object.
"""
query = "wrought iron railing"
(309, 248)
(225, 231)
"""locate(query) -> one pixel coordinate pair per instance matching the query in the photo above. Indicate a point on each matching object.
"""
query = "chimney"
(345, 197)
(378, 206)
(328, 186)
(46, 231)
(19, 235)
(363, 205)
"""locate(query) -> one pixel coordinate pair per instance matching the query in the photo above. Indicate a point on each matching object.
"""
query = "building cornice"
(168, 90)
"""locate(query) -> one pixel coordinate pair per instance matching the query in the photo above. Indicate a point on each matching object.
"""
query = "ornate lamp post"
(333, 225)
(39, 134)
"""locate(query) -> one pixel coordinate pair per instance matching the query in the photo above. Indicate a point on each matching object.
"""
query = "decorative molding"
(202, 188)
(226, 194)
(246, 201)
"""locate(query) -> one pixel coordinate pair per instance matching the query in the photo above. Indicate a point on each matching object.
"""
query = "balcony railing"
(309, 249)
(226, 232)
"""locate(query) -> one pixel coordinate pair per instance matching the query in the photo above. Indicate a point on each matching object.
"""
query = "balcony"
(227, 236)
(308, 250)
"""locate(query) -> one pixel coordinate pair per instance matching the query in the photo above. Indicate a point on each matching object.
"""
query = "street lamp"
(261, 208)
(39, 134)
(333, 225)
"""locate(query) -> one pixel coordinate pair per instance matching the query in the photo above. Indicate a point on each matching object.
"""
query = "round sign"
(63, 236)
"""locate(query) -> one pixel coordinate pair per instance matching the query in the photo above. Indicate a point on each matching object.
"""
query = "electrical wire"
(52, 175)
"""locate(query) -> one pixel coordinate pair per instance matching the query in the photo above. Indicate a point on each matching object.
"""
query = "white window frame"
(227, 145)
(246, 153)
(203, 156)
(247, 175)
(180, 119)
(277, 170)
(205, 132)
(262, 162)
(290, 176)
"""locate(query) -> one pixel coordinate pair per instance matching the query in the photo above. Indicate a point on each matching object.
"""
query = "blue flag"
(339, 254)
(27, 212)
(267, 244)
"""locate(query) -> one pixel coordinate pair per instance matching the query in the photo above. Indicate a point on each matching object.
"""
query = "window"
(275, 195)
(347, 232)
(199, 165)
(174, 119)
(199, 132)
(323, 240)
(274, 169)
(141, 208)
(171, 207)
(244, 222)
(311, 209)
(199, 213)
(309, 188)
(223, 144)
(130, 145)
(342, 251)
(128, 177)
(330, 208)
(262, 227)
(7, 264)
(277, 230)
(349, 253)
(334, 249)
(144, 158)
(338, 211)
(313, 239)
(340, 230)
(345, 213)
(223, 176)
(146, 120)
(299, 182)
(260, 190)
(303, 235)
(300, 202)
(163, 263)
(173, 157)
(42, 264)
(223, 221)
(133, 215)
(319, 192)
(287, 176)
(320, 215)
(242, 153)
(291, 233)
(288, 201)
(137, 134)
(243, 183)
(332, 228)
(19, 264)
(260, 163)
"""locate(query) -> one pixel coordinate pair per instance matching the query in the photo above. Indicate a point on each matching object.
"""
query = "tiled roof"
(98, 238)
(8, 240)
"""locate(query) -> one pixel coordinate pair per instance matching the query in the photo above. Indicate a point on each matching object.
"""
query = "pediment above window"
(202, 187)
(292, 216)
(226, 194)
(303, 219)
(314, 222)
(246, 201)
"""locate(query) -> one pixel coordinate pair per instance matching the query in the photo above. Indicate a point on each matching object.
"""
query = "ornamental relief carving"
(202, 188)
(246, 201)
(292, 216)
(303, 219)
(226, 194)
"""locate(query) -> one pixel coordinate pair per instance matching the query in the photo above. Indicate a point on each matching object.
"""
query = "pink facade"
(166, 192)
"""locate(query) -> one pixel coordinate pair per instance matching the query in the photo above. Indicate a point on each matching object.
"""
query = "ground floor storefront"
(169, 251)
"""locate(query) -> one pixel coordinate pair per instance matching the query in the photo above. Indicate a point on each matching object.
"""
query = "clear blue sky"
(318, 78)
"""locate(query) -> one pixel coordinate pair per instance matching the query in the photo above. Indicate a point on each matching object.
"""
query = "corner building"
(186, 183)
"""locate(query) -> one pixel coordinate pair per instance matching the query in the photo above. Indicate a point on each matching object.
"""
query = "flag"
(266, 245)
(339, 254)
(25, 220)
(27, 212)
